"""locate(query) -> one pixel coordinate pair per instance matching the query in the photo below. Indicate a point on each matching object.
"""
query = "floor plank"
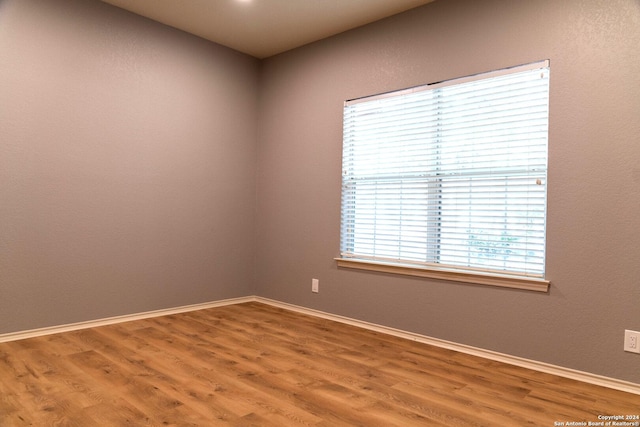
(257, 365)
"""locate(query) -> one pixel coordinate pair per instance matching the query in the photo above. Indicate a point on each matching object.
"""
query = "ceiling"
(263, 28)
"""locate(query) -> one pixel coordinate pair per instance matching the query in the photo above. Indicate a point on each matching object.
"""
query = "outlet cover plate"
(632, 341)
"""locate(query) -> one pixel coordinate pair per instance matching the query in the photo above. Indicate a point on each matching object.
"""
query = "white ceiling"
(263, 28)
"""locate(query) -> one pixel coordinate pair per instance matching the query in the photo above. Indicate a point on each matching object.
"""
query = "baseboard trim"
(32, 333)
(548, 368)
(560, 371)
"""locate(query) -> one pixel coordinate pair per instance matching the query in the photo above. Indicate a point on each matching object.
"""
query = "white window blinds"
(451, 174)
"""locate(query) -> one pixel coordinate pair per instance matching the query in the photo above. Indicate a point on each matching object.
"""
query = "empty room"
(320, 213)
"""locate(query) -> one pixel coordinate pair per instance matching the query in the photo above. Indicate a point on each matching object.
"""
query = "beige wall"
(130, 155)
(593, 242)
(127, 158)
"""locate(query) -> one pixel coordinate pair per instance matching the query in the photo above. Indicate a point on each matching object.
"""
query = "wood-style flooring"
(256, 365)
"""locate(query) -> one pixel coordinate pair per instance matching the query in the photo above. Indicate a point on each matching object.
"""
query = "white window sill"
(479, 278)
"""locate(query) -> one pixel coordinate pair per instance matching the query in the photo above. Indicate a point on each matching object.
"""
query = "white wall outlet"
(314, 285)
(632, 341)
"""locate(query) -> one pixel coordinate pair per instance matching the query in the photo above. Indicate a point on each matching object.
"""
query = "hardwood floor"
(256, 365)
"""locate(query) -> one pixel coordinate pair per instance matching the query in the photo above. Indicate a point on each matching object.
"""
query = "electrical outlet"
(314, 285)
(632, 341)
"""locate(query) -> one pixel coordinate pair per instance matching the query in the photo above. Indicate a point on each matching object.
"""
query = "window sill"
(479, 278)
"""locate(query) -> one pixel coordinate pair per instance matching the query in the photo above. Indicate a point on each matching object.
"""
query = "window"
(450, 178)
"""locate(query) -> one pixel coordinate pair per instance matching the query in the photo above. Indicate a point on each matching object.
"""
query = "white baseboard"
(20, 335)
(560, 371)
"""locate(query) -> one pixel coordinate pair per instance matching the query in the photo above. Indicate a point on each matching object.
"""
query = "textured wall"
(127, 158)
(594, 176)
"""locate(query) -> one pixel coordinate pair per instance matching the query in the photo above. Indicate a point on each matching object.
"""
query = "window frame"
(465, 274)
